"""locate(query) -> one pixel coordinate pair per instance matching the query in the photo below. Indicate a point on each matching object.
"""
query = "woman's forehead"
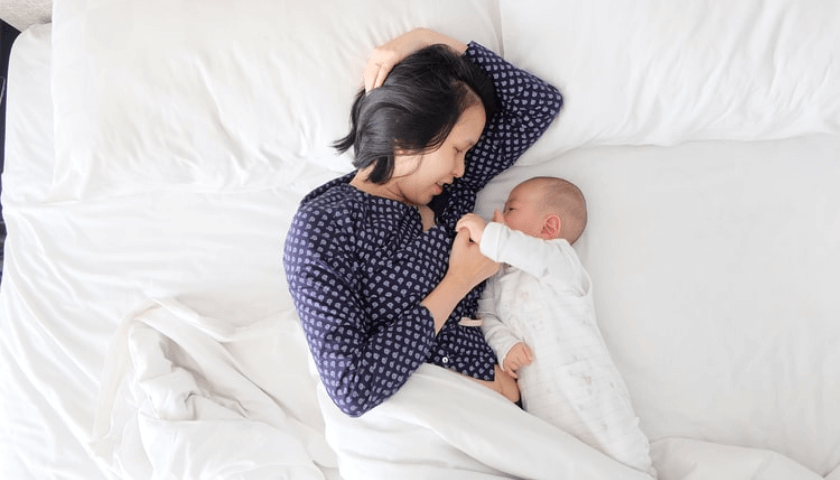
(469, 125)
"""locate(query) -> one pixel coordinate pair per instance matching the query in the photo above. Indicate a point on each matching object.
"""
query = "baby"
(539, 318)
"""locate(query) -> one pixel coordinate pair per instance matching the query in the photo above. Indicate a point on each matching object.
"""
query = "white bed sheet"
(44, 410)
(671, 229)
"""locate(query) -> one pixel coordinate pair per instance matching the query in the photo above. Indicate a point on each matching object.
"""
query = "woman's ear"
(551, 227)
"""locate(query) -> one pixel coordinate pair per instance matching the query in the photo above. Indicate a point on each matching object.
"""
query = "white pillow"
(663, 72)
(223, 95)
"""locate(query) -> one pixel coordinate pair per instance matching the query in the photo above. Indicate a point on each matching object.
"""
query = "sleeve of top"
(499, 336)
(526, 106)
(544, 259)
(359, 368)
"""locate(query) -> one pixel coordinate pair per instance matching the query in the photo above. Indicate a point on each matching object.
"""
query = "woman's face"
(418, 178)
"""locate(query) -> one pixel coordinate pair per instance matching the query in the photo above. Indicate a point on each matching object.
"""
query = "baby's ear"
(551, 227)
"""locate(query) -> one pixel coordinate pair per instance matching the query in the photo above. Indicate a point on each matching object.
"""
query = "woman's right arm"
(358, 365)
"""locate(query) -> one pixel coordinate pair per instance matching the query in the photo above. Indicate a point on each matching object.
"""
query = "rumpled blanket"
(190, 396)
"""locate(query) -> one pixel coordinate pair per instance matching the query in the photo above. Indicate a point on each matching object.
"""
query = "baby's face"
(521, 210)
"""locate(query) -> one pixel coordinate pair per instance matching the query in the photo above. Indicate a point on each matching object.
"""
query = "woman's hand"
(467, 268)
(467, 263)
(506, 385)
(384, 57)
(502, 383)
(473, 224)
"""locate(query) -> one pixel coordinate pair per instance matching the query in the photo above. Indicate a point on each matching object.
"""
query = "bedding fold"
(189, 396)
(470, 431)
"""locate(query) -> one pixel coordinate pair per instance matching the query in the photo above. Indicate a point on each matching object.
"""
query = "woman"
(378, 275)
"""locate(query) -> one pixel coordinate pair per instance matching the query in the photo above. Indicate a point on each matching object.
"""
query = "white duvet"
(191, 396)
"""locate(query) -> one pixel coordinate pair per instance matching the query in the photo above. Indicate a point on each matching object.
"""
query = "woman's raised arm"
(526, 106)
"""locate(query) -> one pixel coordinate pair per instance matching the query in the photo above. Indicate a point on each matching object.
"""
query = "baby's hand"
(474, 224)
(498, 216)
(517, 357)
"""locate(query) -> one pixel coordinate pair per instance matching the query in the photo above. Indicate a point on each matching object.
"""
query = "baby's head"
(547, 208)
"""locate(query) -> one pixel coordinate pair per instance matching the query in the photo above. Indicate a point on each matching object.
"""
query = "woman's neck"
(361, 183)
(387, 190)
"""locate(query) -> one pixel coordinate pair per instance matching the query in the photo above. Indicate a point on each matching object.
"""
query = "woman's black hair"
(415, 109)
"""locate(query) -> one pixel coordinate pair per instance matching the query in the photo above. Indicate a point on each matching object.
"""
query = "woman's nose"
(460, 166)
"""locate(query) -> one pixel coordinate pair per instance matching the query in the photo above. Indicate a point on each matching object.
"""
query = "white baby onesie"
(543, 296)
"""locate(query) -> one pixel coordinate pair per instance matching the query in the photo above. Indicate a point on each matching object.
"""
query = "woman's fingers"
(462, 237)
(386, 56)
(467, 259)
(371, 72)
(384, 70)
(382, 61)
(506, 384)
(376, 71)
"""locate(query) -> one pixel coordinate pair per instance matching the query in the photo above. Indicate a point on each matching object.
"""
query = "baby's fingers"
(529, 355)
(498, 216)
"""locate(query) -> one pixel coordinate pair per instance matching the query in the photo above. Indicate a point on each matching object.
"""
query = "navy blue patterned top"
(359, 265)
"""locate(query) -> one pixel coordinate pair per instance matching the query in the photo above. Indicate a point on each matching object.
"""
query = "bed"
(156, 152)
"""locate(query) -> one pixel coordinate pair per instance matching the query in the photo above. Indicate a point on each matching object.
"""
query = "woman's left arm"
(526, 107)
